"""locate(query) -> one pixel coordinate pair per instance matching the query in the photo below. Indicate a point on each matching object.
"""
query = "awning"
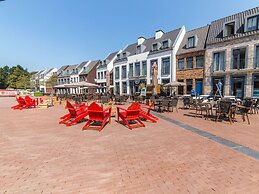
(175, 84)
(81, 84)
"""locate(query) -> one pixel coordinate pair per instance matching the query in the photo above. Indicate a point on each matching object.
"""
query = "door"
(198, 87)
(238, 86)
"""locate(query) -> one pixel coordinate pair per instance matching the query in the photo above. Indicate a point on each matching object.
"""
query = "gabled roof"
(89, 67)
(216, 30)
(81, 65)
(200, 34)
(70, 69)
(148, 43)
(172, 35)
(108, 58)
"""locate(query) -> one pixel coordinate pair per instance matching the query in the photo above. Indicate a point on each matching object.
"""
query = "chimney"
(159, 34)
(141, 40)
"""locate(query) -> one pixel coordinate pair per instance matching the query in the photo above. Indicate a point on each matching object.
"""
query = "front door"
(198, 87)
(238, 86)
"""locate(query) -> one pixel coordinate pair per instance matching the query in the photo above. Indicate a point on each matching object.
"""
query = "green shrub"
(37, 94)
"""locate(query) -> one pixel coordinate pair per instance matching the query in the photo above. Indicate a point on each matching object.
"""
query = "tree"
(52, 81)
(23, 82)
(18, 78)
(4, 73)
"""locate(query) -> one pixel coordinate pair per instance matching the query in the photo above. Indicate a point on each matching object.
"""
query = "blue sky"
(39, 34)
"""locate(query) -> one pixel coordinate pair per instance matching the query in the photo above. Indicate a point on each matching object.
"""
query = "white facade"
(44, 77)
(147, 57)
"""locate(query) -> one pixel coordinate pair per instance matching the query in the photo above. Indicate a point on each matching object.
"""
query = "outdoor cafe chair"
(105, 99)
(224, 108)
(97, 114)
(244, 109)
(77, 113)
(132, 113)
(20, 105)
(173, 104)
(29, 103)
(200, 108)
(146, 114)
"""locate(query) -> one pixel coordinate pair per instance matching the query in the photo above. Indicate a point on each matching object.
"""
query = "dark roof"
(61, 69)
(201, 34)
(172, 35)
(81, 65)
(70, 69)
(48, 71)
(89, 67)
(109, 58)
(216, 30)
(131, 49)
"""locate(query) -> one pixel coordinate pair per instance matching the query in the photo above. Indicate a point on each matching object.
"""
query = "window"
(131, 70)
(239, 58)
(257, 57)
(98, 75)
(189, 63)
(191, 42)
(124, 87)
(124, 55)
(124, 72)
(199, 61)
(188, 86)
(118, 56)
(138, 49)
(155, 47)
(117, 87)
(137, 69)
(104, 74)
(215, 81)
(256, 86)
(252, 23)
(144, 68)
(165, 44)
(180, 88)
(180, 63)
(117, 72)
(165, 69)
(219, 61)
(101, 75)
(229, 29)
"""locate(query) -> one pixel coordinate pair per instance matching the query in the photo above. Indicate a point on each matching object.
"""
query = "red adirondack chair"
(132, 113)
(146, 114)
(76, 114)
(98, 114)
(29, 103)
(21, 103)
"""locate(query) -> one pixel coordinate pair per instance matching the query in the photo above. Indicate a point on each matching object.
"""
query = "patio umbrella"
(108, 81)
(155, 81)
(60, 86)
(81, 84)
(175, 84)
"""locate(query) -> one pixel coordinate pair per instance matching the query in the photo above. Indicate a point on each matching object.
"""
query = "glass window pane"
(189, 63)
(137, 69)
(199, 61)
(165, 70)
(144, 68)
(131, 70)
(180, 63)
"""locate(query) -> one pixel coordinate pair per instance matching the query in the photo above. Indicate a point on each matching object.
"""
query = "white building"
(42, 77)
(104, 66)
(133, 65)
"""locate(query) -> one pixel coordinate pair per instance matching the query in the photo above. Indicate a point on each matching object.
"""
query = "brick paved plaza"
(39, 156)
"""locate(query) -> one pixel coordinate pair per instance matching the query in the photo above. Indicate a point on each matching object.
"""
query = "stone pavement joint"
(235, 146)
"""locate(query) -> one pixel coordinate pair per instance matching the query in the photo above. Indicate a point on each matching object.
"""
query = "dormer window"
(252, 23)
(118, 56)
(229, 29)
(165, 44)
(155, 47)
(124, 55)
(191, 42)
